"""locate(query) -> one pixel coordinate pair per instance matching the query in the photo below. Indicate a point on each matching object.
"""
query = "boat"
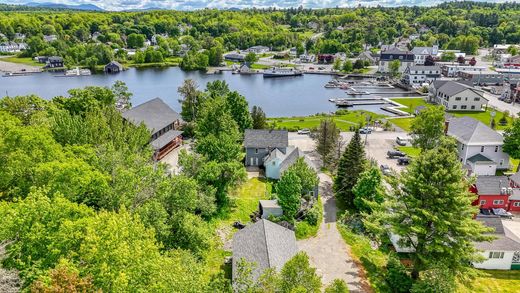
(76, 72)
(281, 72)
(12, 74)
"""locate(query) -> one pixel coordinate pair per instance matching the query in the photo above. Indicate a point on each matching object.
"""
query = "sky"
(200, 4)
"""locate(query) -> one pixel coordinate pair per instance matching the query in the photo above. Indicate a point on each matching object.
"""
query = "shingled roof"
(470, 131)
(491, 185)
(502, 242)
(265, 243)
(155, 114)
(262, 138)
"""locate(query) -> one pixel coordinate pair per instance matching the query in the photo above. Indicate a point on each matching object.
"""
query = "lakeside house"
(258, 49)
(234, 57)
(12, 47)
(502, 253)
(416, 75)
(264, 243)
(421, 53)
(406, 59)
(113, 67)
(452, 70)
(162, 122)
(457, 96)
(325, 58)
(368, 56)
(479, 147)
(50, 62)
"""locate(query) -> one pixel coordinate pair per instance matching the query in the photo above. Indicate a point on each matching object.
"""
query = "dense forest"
(94, 38)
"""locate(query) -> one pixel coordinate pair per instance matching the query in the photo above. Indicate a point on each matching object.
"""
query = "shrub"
(337, 286)
(397, 277)
(313, 215)
(341, 112)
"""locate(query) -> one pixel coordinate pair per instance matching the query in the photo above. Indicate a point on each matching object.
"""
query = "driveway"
(328, 252)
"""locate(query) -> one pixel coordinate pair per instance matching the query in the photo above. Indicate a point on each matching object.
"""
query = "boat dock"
(349, 102)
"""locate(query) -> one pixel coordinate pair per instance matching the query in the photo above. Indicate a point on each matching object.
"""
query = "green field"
(344, 122)
(411, 103)
(484, 117)
(493, 281)
(410, 151)
(403, 123)
(24, 60)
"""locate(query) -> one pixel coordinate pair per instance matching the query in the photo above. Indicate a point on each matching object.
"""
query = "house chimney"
(446, 125)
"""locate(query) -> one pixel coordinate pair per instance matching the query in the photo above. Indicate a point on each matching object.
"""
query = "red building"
(325, 58)
(514, 199)
(492, 191)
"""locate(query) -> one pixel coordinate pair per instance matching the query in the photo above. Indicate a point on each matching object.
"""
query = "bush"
(397, 277)
(337, 286)
(341, 112)
(304, 229)
(313, 215)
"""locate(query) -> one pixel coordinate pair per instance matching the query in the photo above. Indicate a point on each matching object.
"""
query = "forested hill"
(27, 8)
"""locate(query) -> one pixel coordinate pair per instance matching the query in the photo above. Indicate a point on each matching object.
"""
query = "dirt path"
(328, 252)
(17, 67)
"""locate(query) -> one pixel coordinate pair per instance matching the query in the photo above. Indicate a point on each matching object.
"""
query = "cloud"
(200, 4)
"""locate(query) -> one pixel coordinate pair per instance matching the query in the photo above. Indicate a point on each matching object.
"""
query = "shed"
(270, 207)
(113, 67)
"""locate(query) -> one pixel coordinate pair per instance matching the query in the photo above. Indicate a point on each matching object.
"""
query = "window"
(496, 254)
(256, 151)
(476, 99)
(274, 163)
(496, 149)
(473, 107)
(482, 202)
(516, 204)
(454, 107)
(457, 98)
(463, 107)
(498, 201)
(501, 162)
(482, 149)
(462, 147)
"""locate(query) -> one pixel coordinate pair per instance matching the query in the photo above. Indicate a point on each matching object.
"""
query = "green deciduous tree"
(512, 140)
(428, 128)
(348, 66)
(251, 58)
(289, 190)
(350, 167)
(191, 99)
(368, 189)
(308, 176)
(432, 210)
(393, 68)
(337, 286)
(239, 110)
(298, 276)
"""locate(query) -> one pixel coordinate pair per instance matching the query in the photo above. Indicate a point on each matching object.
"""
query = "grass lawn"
(259, 66)
(494, 281)
(24, 60)
(344, 122)
(411, 104)
(305, 230)
(373, 260)
(484, 117)
(244, 201)
(403, 123)
(410, 151)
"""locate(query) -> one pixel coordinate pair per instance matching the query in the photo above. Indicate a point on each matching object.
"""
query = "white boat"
(77, 72)
(281, 72)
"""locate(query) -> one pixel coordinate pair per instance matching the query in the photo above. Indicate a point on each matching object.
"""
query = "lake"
(287, 96)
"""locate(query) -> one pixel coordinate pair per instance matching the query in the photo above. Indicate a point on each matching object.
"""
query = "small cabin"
(113, 67)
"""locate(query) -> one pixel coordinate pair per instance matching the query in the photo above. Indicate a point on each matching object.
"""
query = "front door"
(252, 161)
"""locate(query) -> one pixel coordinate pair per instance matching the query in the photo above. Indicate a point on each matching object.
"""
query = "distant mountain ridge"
(90, 7)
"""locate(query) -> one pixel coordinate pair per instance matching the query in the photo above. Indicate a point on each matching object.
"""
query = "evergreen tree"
(259, 119)
(327, 138)
(432, 212)
(351, 165)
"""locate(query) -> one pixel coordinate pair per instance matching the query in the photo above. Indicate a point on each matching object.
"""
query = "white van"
(402, 141)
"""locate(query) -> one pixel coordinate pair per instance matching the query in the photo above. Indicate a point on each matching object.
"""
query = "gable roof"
(155, 114)
(396, 51)
(451, 88)
(265, 243)
(491, 185)
(480, 158)
(473, 132)
(423, 50)
(502, 242)
(515, 177)
(264, 138)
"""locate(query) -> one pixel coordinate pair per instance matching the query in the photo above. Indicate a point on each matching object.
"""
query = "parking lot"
(377, 145)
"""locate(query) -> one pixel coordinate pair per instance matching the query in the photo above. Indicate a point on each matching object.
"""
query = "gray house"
(264, 243)
(259, 143)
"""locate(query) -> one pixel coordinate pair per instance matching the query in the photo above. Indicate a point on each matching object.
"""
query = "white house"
(502, 253)
(453, 70)
(258, 49)
(416, 75)
(457, 96)
(420, 53)
(12, 47)
(50, 38)
(479, 147)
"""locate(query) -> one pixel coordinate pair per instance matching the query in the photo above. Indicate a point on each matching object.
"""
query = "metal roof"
(155, 114)
(473, 132)
(263, 138)
(265, 243)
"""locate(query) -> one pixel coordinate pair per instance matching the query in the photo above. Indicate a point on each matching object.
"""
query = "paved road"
(328, 252)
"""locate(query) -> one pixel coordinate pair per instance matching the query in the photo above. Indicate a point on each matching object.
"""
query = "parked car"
(386, 170)
(403, 161)
(365, 130)
(395, 154)
(401, 141)
(304, 131)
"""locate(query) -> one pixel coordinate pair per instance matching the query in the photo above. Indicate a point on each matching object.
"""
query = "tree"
(298, 276)
(191, 99)
(512, 140)
(396, 276)
(289, 190)
(348, 66)
(308, 177)
(432, 210)
(428, 128)
(337, 64)
(122, 95)
(251, 58)
(215, 55)
(350, 167)
(438, 279)
(337, 286)
(429, 61)
(64, 278)
(473, 61)
(135, 41)
(368, 189)
(327, 137)
(448, 57)
(359, 64)
(239, 108)
(394, 68)
(513, 50)
(259, 119)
